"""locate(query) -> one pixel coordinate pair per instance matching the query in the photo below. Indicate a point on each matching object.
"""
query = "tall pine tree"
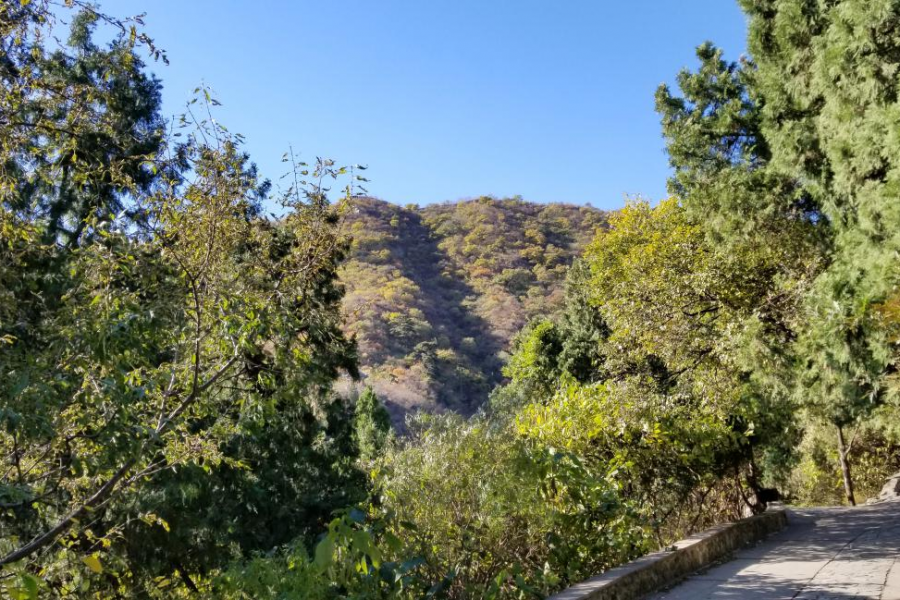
(794, 152)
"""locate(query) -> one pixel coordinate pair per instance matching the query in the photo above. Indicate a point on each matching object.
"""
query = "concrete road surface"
(823, 553)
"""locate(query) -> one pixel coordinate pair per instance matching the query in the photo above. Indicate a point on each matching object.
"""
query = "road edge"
(665, 568)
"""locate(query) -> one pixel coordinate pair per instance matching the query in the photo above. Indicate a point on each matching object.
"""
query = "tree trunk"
(758, 506)
(843, 451)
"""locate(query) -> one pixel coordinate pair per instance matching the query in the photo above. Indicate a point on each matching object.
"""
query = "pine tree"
(371, 424)
(828, 73)
(792, 152)
(81, 122)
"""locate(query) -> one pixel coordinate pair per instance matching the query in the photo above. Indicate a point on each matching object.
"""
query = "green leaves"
(785, 160)
(324, 553)
(514, 519)
(351, 556)
(74, 159)
(23, 587)
(161, 338)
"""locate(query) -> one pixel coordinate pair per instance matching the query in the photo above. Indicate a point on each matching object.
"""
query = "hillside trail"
(823, 554)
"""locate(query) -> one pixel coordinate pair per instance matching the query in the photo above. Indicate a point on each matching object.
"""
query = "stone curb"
(665, 568)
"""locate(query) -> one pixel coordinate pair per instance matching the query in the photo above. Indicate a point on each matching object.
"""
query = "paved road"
(823, 553)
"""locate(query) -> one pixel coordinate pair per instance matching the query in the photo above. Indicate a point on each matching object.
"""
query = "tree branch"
(106, 490)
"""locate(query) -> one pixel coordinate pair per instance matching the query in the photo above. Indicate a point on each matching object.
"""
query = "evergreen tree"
(549, 352)
(371, 424)
(81, 122)
(789, 154)
(828, 73)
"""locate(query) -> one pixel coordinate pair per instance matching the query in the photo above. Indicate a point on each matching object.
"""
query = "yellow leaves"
(399, 290)
(93, 563)
(574, 419)
(654, 278)
(154, 519)
(654, 434)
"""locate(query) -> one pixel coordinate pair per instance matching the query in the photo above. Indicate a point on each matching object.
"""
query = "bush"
(493, 514)
(676, 464)
(350, 561)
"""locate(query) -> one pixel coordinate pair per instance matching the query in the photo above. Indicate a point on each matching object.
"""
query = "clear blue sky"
(446, 99)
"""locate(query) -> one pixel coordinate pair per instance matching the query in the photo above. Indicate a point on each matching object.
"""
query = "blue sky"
(444, 100)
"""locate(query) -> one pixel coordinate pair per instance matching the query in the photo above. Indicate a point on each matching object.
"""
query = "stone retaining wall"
(661, 569)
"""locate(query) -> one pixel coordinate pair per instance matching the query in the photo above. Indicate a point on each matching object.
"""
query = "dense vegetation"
(167, 352)
(174, 414)
(436, 294)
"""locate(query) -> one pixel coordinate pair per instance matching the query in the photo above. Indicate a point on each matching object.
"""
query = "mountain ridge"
(435, 294)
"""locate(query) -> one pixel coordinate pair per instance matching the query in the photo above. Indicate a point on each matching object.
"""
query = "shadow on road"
(824, 553)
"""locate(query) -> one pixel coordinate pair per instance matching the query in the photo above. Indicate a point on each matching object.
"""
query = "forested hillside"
(436, 294)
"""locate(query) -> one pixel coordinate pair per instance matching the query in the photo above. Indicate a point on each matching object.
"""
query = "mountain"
(436, 294)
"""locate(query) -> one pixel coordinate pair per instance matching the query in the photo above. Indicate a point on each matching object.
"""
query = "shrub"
(492, 513)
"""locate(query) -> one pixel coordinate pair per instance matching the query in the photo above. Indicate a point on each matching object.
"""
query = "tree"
(534, 368)
(825, 72)
(167, 346)
(760, 221)
(159, 336)
(371, 424)
(648, 370)
(81, 123)
(684, 320)
(721, 158)
(549, 352)
(791, 149)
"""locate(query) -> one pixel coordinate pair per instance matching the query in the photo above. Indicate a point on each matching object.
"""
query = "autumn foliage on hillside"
(435, 294)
